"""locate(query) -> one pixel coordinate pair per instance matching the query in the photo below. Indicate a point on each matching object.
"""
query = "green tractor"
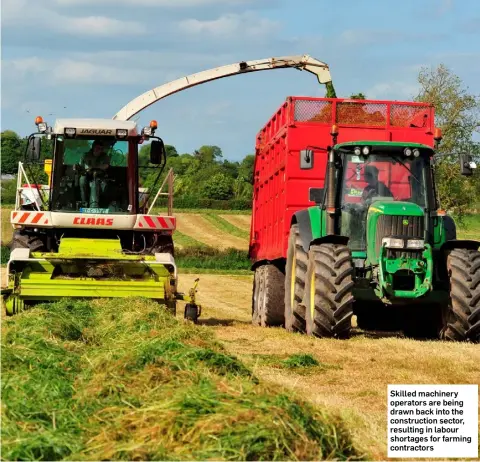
(377, 245)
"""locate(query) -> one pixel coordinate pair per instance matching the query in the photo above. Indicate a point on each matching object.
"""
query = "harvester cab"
(88, 232)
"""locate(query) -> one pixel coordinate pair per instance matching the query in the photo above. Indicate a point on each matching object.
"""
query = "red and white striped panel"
(155, 222)
(20, 217)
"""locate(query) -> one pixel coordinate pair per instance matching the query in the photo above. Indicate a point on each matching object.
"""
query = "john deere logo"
(405, 222)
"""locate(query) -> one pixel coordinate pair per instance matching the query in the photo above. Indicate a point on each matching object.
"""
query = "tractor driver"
(374, 187)
(95, 162)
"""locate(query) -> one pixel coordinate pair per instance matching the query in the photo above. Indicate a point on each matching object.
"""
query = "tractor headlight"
(415, 244)
(357, 151)
(365, 150)
(407, 152)
(122, 133)
(392, 243)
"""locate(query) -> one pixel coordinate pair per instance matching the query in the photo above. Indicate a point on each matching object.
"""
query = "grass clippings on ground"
(123, 380)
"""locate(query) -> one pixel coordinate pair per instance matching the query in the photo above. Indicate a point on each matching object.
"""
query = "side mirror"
(34, 148)
(316, 195)
(467, 165)
(157, 152)
(306, 159)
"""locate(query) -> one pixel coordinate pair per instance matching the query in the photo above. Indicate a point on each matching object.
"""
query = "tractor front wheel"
(328, 298)
(461, 320)
(295, 272)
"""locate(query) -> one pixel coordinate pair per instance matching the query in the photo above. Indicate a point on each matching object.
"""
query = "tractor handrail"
(300, 62)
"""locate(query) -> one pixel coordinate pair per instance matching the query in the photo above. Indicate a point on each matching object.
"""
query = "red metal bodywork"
(281, 188)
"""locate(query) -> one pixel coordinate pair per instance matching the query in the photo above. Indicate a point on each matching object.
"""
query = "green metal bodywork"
(52, 276)
(379, 208)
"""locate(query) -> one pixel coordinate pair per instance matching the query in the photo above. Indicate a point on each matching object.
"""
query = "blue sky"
(88, 58)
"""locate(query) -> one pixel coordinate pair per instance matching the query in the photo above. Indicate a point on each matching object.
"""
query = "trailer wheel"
(461, 320)
(295, 271)
(22, 240)
(328, 295)
(257, 293)
(271, 297)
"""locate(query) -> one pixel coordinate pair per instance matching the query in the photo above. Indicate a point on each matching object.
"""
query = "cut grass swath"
(110, 380)
(226, 226)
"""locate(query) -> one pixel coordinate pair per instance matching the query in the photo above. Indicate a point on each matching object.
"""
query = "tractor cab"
(391, 177)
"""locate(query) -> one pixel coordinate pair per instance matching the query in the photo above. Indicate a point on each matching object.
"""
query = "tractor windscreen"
(378, 177)
(91, 175)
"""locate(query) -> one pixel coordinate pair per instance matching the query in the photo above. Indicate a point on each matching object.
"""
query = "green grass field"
(110, 380)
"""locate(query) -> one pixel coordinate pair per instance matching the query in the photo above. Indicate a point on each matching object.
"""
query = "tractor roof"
(94, 126)
(402, 144)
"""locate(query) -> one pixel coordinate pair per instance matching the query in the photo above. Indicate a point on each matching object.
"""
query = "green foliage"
(124, 380)
(8, 191)
(209, 258)
(13, 148)
(358, 96)
(218, 187)
(458, 115)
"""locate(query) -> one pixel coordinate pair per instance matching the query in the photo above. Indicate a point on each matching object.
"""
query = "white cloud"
(244, 25)
(70, 71)
(19, 13)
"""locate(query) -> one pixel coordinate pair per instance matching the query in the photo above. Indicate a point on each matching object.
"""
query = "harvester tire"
(461, 319)
(328, 298)
(271, 308)
(295, 272)
(164, 245)
(21, 240)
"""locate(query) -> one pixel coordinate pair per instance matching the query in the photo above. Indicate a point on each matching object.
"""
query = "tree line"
(205, 175)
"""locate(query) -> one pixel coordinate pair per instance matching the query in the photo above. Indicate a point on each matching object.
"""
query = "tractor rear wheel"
(328, 298)
(22, 240)
(295, 272)
(461, 319)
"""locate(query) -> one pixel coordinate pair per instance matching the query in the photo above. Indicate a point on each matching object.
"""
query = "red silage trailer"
(281, 187)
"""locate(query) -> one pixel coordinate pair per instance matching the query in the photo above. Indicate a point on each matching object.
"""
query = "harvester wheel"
(295, 271)
(328, 298)
(21, 240)
(462, 316)
(164, 245)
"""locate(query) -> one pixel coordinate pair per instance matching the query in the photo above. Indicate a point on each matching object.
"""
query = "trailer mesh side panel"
(370, 114)
(403, 115)
(313, 111)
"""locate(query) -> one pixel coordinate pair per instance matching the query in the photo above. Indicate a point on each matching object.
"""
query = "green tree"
(245, 170)
(13, 148)
(457, 113)
(358, 96)
(219, 186)
(208, 154)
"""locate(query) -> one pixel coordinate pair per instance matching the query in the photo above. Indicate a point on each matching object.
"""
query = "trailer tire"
(22, 240)
(461, 320)
(328, 298)
(257, 294)
(295, 271)
(271, 309)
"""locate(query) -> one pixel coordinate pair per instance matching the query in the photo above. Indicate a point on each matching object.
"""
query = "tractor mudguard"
(302, 218)
(307, 234)
(331, 239)
(460, 244)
